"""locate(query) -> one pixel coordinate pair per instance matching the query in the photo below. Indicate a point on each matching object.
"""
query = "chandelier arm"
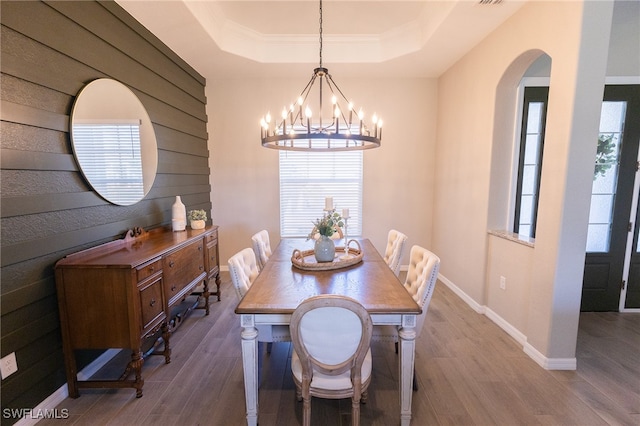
(304, 94)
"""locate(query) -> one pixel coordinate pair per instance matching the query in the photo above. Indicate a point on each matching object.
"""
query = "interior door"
(612, 242)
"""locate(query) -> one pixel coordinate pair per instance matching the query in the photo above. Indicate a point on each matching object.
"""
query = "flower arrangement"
(197, 215)
(327, 224)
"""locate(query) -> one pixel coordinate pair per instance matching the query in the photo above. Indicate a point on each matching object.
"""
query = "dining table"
(282, 285)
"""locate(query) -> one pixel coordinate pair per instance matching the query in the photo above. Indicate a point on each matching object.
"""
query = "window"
(534, 114)
(306, 178)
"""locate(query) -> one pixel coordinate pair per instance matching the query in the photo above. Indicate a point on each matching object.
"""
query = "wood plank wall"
(50, 50)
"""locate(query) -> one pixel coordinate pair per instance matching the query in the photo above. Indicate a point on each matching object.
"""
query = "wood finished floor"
(469, 372)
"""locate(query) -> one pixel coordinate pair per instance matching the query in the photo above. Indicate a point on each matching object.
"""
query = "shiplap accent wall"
(50, 50)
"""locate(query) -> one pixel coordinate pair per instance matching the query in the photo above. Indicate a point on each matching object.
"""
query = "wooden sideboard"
(120, 293)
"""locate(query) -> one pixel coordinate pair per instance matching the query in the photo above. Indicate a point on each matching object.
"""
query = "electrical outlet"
(503, 283)
(8, 365)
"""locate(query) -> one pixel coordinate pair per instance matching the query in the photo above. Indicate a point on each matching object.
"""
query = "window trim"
(530, 92)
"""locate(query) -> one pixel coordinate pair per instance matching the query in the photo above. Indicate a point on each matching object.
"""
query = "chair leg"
(355, 412)
(396, 347)
(269, 344)
(306, 411)
(415, 382)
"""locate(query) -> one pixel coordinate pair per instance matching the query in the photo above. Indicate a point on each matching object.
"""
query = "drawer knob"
(173, 288)
(171, 263)
(152, 302)
(201, 267)
(199, 248)
(151, 269)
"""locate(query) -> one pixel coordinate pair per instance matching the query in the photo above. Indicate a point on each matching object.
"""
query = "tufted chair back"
(393, 252)
(421, 279)
(261, 247)
(243, 270)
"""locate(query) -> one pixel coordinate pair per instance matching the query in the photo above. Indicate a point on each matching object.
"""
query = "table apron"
(250, 320)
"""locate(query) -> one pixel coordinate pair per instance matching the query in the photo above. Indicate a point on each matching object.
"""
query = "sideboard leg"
(166, 337)
(136, 363)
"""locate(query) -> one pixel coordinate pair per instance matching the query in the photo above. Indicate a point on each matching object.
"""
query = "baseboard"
(550, 363)
(47, 407)
(462, 295)
(517, 335)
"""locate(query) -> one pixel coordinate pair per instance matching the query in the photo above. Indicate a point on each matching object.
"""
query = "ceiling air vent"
(489, 2)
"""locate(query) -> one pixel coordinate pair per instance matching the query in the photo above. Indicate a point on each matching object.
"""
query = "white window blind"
(109, 154)
(306, 178)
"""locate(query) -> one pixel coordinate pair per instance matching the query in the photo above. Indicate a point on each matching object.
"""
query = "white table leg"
(250, 367)
(407, 351)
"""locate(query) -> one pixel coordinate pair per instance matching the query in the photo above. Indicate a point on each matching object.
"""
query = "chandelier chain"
(320, 33)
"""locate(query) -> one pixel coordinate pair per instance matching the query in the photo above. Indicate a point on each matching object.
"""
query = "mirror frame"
(106, 102)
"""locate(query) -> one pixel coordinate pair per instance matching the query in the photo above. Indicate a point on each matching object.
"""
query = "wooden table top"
(281, 287)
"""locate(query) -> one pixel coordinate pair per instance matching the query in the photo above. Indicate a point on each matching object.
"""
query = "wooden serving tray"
(307, 261)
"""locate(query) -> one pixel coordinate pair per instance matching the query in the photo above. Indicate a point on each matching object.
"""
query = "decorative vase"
(324, 249)
(178, 215)
(197, 224)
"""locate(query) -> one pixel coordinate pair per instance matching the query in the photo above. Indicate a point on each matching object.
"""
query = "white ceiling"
(379, 38)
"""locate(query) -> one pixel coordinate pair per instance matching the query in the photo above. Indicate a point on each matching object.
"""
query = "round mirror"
(114, 142)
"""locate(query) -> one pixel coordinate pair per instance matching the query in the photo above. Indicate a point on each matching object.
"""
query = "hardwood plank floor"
(469, 372)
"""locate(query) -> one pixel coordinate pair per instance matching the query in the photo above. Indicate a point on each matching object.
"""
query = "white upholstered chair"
(244, 270)
(393, 252)
(420, 283)
(331, 358)
(261, 247)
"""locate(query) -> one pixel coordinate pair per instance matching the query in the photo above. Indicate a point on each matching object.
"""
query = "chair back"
(261, 247)
(331, 334)
(393, 252)
(243, 270)
(421, 279)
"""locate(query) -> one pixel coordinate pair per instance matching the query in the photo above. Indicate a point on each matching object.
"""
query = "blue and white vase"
(324, 249)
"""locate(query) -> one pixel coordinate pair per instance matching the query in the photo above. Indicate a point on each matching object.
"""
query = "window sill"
(520, 239)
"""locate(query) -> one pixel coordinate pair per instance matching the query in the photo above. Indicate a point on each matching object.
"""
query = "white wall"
(398, 176)
(475, 137)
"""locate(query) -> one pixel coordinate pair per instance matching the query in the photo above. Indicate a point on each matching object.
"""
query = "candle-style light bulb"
(334, 99)
(300, 102)
(284, 120)
(307, 113)
(350, 112)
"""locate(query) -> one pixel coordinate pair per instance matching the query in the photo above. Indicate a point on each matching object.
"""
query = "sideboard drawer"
(211, 236)
(151, 305)
(181, 268)
(149, 269)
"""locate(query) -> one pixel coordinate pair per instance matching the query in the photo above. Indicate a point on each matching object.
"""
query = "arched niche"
(531, 64)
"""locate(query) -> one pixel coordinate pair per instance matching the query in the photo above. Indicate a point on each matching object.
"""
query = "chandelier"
(338, 127)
